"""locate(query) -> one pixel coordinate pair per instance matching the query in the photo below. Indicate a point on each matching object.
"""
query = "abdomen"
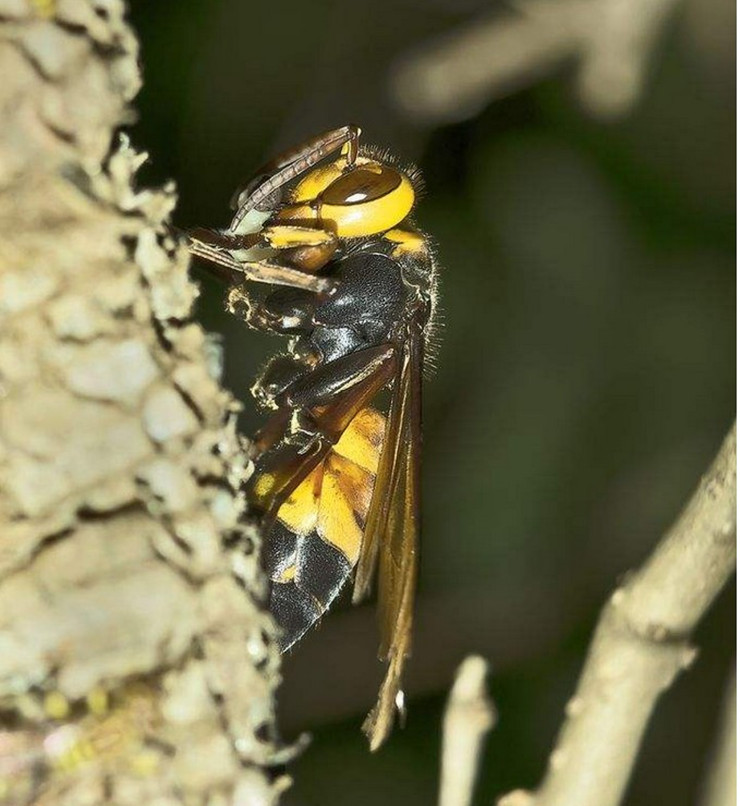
(315, 543)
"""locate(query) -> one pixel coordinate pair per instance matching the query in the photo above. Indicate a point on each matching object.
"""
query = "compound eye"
(362, 184)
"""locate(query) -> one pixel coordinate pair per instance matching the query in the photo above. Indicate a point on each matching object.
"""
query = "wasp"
(352, 283)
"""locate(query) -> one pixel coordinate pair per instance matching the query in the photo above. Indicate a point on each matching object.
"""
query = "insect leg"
(302, 247)
(281, 372)
(296, 439)
(288, 382)
(219, 249)
(286, 311)
(322, 385)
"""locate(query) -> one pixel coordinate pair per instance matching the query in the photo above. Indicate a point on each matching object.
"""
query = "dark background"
(586, 371)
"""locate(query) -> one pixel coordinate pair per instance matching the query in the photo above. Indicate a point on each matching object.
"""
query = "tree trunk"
(136, 664)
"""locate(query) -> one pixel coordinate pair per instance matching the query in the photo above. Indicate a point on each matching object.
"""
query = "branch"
(611, 41)
(469, 716)
(640, 646)
(720, 785)
(135, 663)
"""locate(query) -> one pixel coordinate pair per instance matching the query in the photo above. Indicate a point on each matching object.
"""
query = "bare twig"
(469, 716)
(720, 785)
(640, 646)
(610, 39)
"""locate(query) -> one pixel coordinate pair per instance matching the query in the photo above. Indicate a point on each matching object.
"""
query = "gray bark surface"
(136, 664)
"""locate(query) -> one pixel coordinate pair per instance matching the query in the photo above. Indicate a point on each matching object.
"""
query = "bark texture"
(136, 665)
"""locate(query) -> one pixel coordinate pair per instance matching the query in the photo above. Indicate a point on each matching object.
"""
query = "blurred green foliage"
(585, 374)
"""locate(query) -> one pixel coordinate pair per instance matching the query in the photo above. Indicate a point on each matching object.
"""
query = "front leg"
(212, 247)
(285, 255)
(287, 311)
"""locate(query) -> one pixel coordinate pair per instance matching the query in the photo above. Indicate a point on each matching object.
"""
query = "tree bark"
(136, 663)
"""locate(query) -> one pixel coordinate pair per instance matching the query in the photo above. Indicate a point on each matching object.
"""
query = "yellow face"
(365, 199)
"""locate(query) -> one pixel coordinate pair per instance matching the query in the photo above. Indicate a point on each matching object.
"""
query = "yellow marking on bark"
(98, 701)
(45, 9)
(56, 705)
(145, 763)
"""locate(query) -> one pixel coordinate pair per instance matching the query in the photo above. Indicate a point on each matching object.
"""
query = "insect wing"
(395, 536)
(377, 517)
